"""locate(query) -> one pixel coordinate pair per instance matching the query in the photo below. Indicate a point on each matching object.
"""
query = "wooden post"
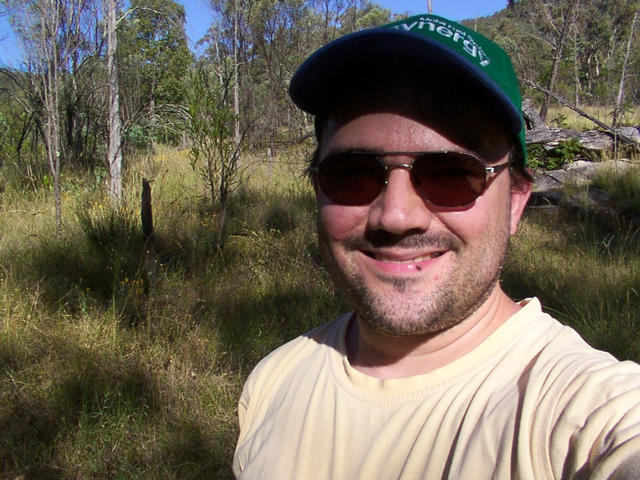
(149, 254)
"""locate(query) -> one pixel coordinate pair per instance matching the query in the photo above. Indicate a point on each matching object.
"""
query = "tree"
(215, 152)
(55, 37)
(619, 106)
(265, 41)
(593, 52)
(559, 39)
(114, 150)
(154, 59)
(18, 124)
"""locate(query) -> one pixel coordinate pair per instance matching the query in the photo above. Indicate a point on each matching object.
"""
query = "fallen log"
(608, 137)
(552, 138)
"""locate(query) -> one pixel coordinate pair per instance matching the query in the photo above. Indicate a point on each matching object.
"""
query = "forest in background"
(57, 110)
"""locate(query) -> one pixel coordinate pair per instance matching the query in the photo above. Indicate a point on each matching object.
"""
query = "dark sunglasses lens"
(351, 179)
(448, 179)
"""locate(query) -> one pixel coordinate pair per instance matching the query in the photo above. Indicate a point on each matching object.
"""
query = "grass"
(622, 184)
(561, 116)
(586, 275)
(114, 365)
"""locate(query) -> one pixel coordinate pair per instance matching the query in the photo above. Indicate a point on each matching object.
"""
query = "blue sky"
(199, 18)
(453, 9)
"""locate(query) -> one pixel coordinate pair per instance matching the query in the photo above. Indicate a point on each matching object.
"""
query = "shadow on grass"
(80, 387)
(253, 325)
(105, 260)
(194, 453)
(90, 412)
(64, 406)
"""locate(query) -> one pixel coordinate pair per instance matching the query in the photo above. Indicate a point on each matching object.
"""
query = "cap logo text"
(456, 35)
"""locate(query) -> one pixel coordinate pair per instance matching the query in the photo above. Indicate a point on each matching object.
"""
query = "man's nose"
(399, 208)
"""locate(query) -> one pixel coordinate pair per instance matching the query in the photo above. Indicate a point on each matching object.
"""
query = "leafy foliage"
(153, 58)
(214, 150)
(566, 152)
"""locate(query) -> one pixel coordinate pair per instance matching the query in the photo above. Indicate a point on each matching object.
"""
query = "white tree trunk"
(49, 57)
(114, 155)
(236, 79)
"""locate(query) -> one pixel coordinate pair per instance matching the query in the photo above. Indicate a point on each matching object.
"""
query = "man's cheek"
(339, 222)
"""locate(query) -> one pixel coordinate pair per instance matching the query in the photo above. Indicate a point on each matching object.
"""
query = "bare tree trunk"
(557, 57)
(619, 108)
(114, 155)
(50, 22)
(222, 215)
(236, 93)
(576, 72)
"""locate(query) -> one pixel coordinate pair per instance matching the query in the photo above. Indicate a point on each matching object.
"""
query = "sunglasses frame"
(490, 172)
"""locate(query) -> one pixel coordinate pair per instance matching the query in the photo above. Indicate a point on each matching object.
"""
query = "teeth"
(412, 260)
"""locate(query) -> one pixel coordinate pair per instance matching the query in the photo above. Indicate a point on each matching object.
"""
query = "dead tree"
(114, 154)
(619, 108)
(567, 21)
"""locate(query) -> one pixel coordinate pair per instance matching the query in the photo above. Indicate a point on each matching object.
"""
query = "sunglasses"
(444, 179)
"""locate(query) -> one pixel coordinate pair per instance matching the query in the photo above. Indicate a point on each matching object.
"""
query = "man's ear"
(520, 193)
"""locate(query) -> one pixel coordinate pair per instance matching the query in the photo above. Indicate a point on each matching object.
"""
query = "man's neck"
(384, 356)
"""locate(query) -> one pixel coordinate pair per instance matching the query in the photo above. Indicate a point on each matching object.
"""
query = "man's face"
(411, 268)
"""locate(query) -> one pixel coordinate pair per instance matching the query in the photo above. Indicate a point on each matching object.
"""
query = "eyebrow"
(353, 149)
(382, 152)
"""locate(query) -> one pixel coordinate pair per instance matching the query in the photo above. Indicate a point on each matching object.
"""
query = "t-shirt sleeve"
(596, 431)
(629, 469)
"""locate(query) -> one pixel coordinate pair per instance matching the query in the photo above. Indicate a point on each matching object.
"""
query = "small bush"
(566, 152)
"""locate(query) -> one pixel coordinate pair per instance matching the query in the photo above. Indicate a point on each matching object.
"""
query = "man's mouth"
(418, 259)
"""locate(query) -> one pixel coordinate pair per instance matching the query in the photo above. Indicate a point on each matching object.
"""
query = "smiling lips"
(421, 258)
(399, 264)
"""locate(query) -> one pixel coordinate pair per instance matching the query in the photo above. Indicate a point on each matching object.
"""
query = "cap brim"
(318, 81)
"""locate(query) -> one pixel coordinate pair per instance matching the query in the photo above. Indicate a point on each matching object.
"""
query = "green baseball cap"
(427, 41)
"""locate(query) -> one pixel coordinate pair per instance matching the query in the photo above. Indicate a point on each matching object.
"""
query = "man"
(420, 181)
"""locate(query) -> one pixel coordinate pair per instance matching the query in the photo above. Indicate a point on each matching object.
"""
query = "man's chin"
(402, 328)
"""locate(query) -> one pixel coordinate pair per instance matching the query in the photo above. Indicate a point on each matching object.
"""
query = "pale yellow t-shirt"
(533, 401)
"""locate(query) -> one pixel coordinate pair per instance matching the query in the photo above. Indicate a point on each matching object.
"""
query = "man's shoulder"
(559, 360)
(304, 348)
(553, 341)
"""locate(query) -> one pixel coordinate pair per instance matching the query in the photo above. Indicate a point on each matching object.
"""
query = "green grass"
(623, 185)
(115, 365)
(586, 274)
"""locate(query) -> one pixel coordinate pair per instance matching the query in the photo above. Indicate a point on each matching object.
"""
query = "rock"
(631, 133)
(578, 173)
(531, 116)
(549, 191)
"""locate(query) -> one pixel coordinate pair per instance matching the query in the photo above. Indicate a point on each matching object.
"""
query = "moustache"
(381, 239)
